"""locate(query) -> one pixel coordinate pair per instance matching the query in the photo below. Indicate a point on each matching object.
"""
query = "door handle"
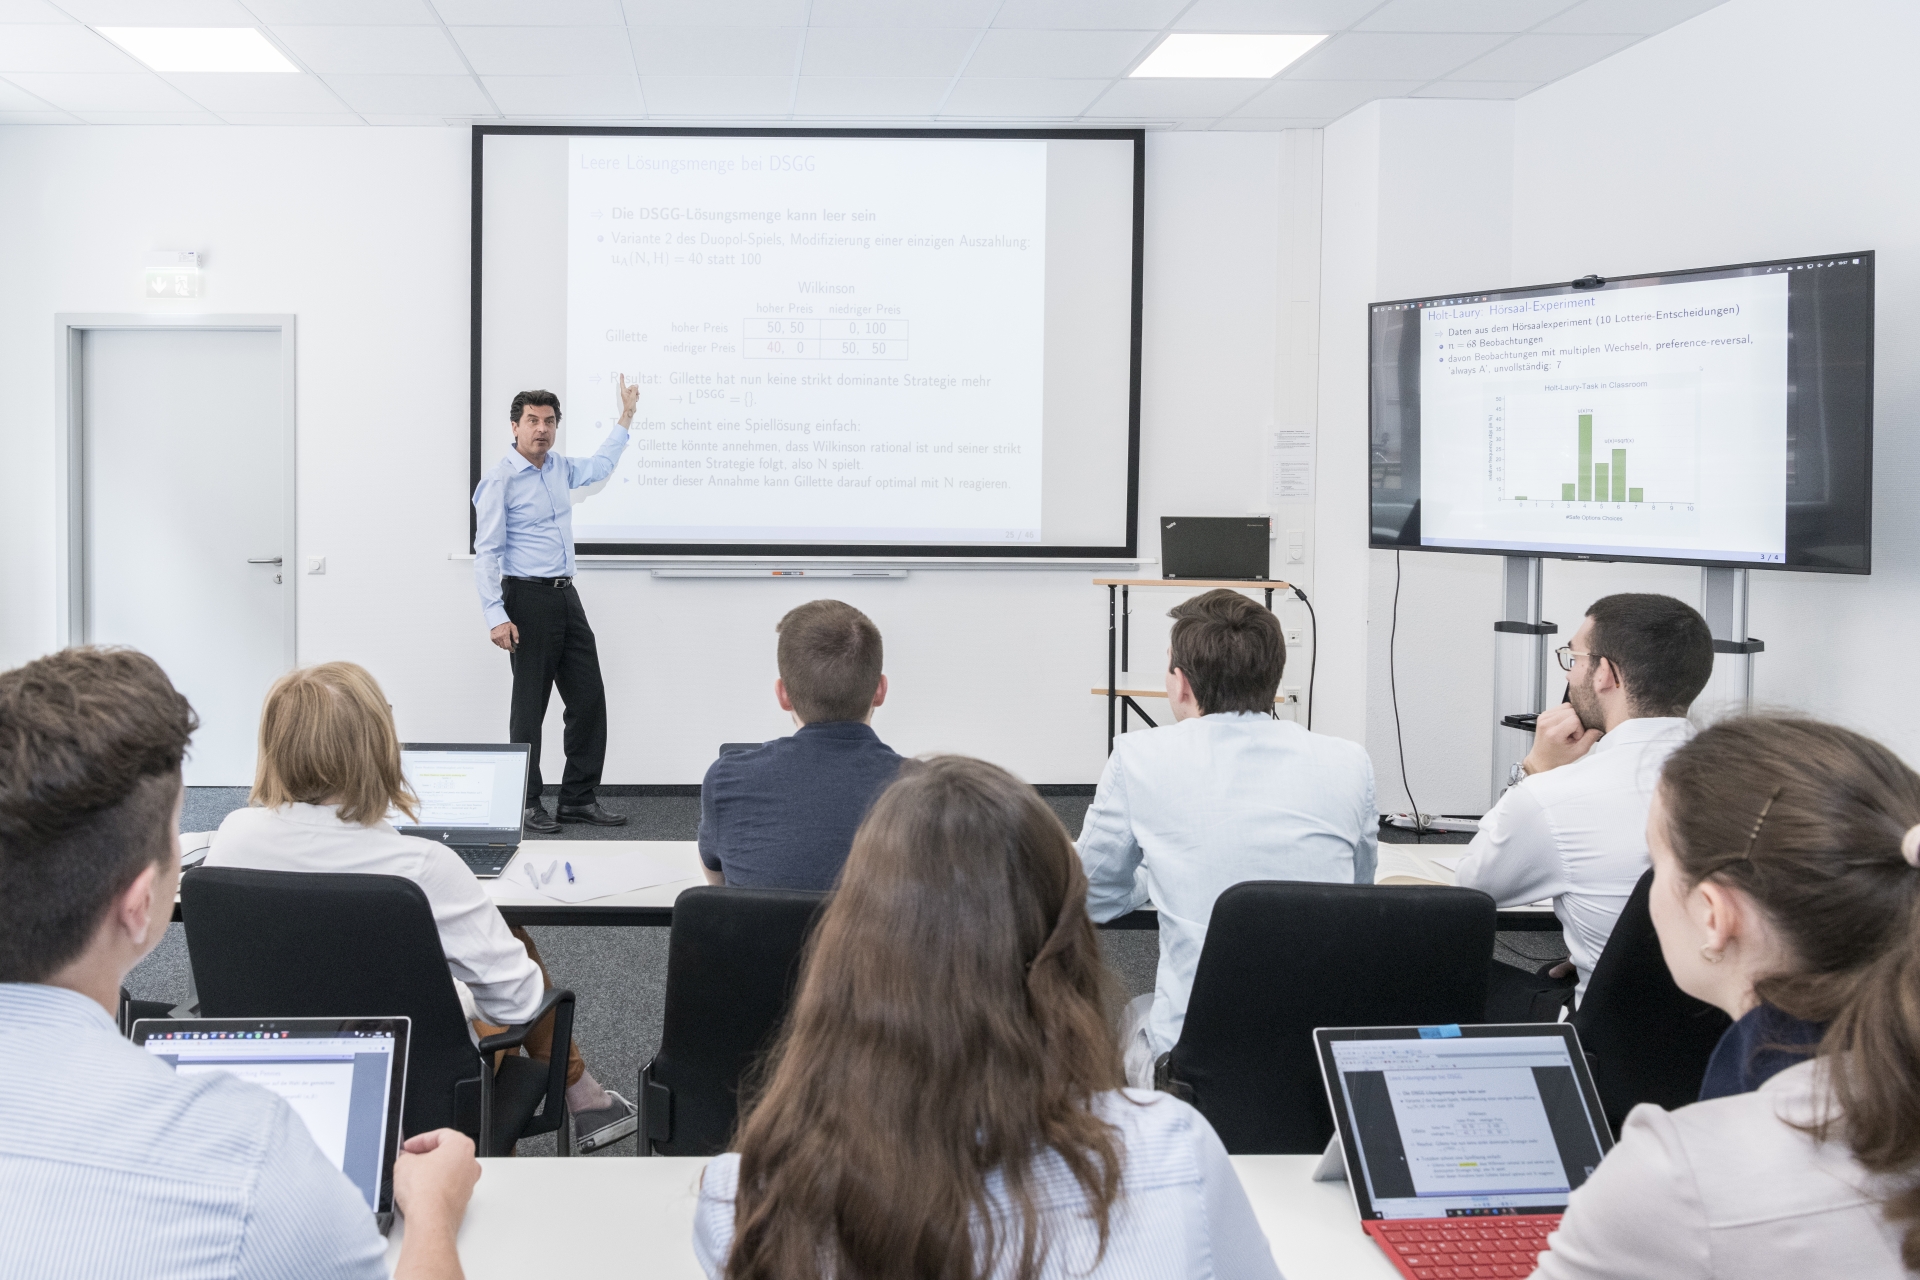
(263, 560)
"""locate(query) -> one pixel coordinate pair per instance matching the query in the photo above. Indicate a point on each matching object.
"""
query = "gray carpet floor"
(619, 974)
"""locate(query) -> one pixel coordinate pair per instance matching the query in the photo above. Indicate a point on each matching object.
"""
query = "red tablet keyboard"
(1464, 1248)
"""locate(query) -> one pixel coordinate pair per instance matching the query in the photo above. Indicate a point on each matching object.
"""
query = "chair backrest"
(1283, 957)
(1645, 1038)
(733, 961)
(291, 944)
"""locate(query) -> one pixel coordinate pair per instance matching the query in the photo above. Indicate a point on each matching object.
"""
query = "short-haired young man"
(111, 1164)
(782, 815)
(1226, 793)
(1573, 824)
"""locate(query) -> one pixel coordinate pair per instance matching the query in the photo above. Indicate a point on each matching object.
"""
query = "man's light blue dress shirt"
(525, 529)
(111, 1165)
(1186, 811)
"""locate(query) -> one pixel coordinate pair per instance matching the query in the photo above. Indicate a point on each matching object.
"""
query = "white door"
(185, 460)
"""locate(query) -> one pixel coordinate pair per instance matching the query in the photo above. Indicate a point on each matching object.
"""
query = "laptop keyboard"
(1466, 1248)
(485, 860)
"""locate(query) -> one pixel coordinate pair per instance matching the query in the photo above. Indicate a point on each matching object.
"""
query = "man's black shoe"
(592, 813)
(538, 819)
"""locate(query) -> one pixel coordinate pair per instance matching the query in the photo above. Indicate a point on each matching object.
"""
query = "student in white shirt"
(1225, 794)
(1572, 827)
(328, 774)
(1786, 857)
(946, 1096)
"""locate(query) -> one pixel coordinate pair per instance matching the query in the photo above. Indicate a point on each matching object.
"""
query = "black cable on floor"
(1313, 656)
(1393, 686)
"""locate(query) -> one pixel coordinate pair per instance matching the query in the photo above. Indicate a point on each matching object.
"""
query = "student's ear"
(880, 691)
(780, 694)
(133, 911)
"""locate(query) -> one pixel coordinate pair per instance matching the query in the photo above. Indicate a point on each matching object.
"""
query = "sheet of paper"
(595, 875)
(1290, 465)
(1451, 862)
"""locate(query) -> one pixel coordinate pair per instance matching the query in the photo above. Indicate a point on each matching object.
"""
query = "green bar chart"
(1584, 481)
(1599, 481)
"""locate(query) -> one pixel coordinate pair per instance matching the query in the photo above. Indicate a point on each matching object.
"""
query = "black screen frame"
(1323, 1041)
(1129, 550)
(1863, 509)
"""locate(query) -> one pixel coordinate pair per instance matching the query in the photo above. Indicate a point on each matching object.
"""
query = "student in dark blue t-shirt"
(782, 815)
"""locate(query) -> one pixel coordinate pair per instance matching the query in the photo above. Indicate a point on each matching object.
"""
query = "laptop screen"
(343, 1079)
(479, 788)
(1449, 1125)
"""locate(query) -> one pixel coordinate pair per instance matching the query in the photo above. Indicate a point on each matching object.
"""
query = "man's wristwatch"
(1517, 774)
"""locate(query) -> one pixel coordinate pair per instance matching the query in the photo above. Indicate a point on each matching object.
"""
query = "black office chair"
(132, 1011)
(733, 961)
(1645, 1039)
(1283, 957)
(287, 944)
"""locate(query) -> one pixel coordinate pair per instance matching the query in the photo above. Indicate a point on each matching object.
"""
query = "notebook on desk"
(344, 1078)
(472, 799)
(1462, 1143)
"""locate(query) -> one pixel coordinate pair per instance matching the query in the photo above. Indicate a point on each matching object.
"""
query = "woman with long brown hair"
(1786, 891)
(945, 1102)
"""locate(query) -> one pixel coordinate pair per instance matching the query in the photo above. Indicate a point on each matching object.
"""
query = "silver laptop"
(344, 1077)
(473, 799)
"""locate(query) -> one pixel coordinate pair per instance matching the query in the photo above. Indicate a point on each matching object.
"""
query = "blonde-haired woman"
(329, 773)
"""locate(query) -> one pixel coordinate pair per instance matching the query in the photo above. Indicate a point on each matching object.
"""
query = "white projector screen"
(871, 343)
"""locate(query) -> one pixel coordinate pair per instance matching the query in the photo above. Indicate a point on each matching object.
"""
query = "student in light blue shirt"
(111, 1165)
(1223, 795)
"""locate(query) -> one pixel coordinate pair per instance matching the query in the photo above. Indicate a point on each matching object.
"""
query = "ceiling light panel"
(1198, 56)
(201, 49)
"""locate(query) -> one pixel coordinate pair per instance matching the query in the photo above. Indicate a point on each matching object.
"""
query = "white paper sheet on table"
(595, 875)
(1451, 863)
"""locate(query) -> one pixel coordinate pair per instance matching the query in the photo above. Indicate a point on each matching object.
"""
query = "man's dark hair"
(1231, 651)
(830, 659)
(545, 399)
(1660, 646)
(90, 748)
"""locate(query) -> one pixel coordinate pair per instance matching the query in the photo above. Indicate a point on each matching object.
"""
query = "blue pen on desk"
(569, 873)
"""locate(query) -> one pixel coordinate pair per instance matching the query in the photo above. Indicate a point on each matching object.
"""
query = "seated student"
(1572, 826)
(1786, 858)
(110, 1163)
(1226, 793)
(945, 1098)
(782, 816)
(328, 774)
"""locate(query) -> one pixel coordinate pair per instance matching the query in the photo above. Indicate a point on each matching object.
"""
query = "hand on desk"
(506, 635)
(432, 1182)
(1558, 738)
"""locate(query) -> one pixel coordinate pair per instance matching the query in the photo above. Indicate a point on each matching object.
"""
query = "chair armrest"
(515, 1036)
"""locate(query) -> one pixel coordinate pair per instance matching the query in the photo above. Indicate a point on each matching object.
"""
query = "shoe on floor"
(592, 813)
(538, 819)
(595, 1129)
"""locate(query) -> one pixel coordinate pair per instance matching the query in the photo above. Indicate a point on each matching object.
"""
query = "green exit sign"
(173, 274)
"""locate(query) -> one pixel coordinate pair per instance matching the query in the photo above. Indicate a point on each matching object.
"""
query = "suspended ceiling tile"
(1022, 96)
(300, 118)
(12, 11)
(160, 13)
(43, 48)
(148, 117)
(37, 117)
(717, 95)
(717, 13)
(1174, 99)
(717, 51)
(1063, 54)
(1460, 15)
(346, 13)
(566, 95)
(412, 95)
(1274, 15)
(1628, 17)
(1112, 15)
(546, 51)
(1542, 57)
(531, 13)
(1368, 55)
(843, 52)
(86, 92)
(1326, 99)
(870, 95)
(1478, 89)
(14, 98)
(902, 13)
(360, 50)
(255, 91)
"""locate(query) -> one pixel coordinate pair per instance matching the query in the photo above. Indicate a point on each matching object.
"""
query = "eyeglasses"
(1566, 655)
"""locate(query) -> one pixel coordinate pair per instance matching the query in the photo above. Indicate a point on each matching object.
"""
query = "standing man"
(523, 562)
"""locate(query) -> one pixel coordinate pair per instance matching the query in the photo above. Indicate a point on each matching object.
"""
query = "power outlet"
(1291, 695)
(1296, 635)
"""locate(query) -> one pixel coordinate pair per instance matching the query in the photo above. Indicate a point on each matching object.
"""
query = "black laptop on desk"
(473, 799)
(1230, 547)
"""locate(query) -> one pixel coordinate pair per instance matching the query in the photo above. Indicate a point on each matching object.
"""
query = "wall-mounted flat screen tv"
(1720, 416)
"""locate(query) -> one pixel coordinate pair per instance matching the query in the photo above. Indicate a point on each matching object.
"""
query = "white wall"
(362, 233)
(1746, 133)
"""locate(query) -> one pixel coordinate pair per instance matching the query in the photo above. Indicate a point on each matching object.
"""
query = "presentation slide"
(464, 788)
(1481, 1132)
(1646, 421)
(914, 342)
(320, 1091)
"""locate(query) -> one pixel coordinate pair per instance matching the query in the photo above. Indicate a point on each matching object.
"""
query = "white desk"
(652, 905)
(625, 1217)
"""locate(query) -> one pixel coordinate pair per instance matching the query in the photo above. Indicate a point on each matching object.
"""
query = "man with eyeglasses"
(1572, 825)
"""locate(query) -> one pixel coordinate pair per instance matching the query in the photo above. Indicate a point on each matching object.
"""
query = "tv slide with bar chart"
(1721, 416)
(842, 342)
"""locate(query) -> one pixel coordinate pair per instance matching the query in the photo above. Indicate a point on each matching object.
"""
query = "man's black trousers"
(556, 647)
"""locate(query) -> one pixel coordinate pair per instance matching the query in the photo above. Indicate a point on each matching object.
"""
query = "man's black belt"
(538, 582)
